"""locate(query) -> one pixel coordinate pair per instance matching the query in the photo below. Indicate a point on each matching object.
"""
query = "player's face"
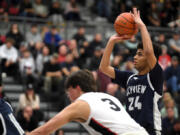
(140, 60)
(73, 93)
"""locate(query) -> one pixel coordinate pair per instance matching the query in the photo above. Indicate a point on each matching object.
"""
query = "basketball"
(125, 24)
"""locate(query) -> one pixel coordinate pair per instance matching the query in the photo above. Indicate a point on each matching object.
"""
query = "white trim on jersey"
(9, 105)
(130, 77)
(3, 124)
(149, 81)
(16, 124)
(156, 112)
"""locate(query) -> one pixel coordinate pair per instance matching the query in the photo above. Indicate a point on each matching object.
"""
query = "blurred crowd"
(159, 12)
(41, 59)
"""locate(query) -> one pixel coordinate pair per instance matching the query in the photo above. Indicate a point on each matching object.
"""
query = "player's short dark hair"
(156, 47)
(83, 78)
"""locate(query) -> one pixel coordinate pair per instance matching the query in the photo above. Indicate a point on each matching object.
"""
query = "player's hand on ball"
(137, 19)
(117, 38)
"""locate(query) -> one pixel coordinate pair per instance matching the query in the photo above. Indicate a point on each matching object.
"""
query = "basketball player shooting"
(143, 90)
(99, 113)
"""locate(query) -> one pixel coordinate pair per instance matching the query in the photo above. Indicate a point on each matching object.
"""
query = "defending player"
(143, 90)
(99, 113)
(8, 123)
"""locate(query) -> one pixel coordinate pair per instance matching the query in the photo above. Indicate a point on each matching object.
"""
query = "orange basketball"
(125, 24)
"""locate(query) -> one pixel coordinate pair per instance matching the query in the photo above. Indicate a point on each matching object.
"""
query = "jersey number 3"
(113, 106)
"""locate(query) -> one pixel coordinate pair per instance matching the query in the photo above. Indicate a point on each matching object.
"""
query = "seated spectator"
(52, 39)
(96, 59)
(80, 37)
(2, 39)
(56, 12)
(27, 67)
(103, 8)
(97, 41)
(113, 89)
(3, 10)
(169, 122)
(169, 103)
(53, 75)
(40, 10)
(26, 8)
(164, 59)
(174, 44)
(153, 15)
(161, 39)
(62, 52)
(131, 45)
(30, 98)
(116, 61)
(128, 65)
(41, 59)
(33, 36)
(69, 65)
(9, 56)
(73, 49)
(13, 8)
(59, 132)
(15, 34)
(172, 76)
(36, 49)
(27, 119)
(72, 11)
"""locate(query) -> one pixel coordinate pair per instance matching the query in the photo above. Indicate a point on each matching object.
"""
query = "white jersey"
(108, 116)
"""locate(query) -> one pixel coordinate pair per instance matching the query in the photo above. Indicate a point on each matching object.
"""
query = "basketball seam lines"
(127, 19)
(124, 27)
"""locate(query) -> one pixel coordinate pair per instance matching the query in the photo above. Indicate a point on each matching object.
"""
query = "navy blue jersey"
(8, 123)
(143, 94)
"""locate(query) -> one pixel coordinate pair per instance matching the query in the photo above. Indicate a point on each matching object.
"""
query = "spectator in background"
(80, 37)
(52, 39)
(172, 76)
(13, 7)
(96, 59)
(33, 35)
(27, 119)
(73, 49)
(26, 8)
(3, 10)
(131, 45)
(56, 12)
(174, 44)
(53, 75)
(168, 123)
(41, 59)
(40, 10)
(69, 65)
(30, 98)
(169, 103)
(160, 39)
(164, 59)
(15, 34)
(36, 49)
(9, 56)
(72, 11)
(59, 132)
(116, 61)
(97, 41)
(27, 67)
(129, 66)
(153, 15)
(62, 52)
(113, 89)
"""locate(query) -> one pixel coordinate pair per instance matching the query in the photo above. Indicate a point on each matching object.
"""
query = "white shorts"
(136, 133)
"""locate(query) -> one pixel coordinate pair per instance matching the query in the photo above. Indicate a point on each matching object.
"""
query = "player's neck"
(144, 71)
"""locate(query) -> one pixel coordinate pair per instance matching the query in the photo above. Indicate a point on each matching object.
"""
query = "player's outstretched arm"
(105, 66)
(77, 111)
(146, 40)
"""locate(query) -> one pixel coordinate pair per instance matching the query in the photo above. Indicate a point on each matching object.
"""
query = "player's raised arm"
(105, 66)
(146, 40)
(77, 111)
